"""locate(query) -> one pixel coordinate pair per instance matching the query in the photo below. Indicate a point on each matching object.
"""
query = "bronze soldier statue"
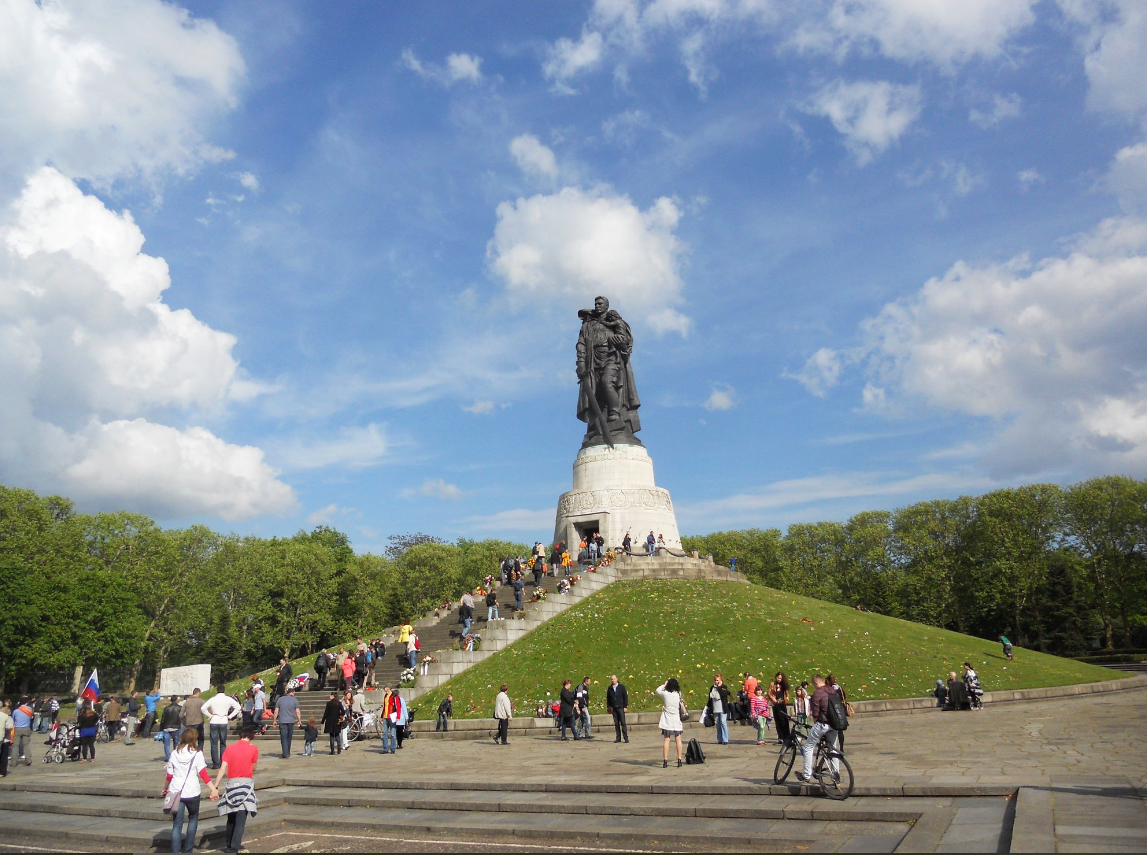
(608, 400)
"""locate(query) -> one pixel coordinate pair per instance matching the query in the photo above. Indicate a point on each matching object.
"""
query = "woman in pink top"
(348, 673)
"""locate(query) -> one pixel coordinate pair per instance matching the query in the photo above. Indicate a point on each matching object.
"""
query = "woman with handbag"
(834, 686)
(186, 774)
(672, 714)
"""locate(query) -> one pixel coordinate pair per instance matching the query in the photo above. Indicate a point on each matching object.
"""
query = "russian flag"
(92, 688)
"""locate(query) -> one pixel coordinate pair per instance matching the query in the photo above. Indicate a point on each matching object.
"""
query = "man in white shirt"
(220, 710)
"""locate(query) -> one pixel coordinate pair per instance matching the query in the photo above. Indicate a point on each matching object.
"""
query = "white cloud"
(515, 520)
(1127, 177)
(566, 58)
(871, 115)
(459, 68)
(350, 448)
(766, 503)
(1029, 177)
(572, 245)
(326, 516)
(1053, 353)
(723, 397)
(88, 350)
(820, 373)
(1115, 48)
(480, 408)
(250, 181)
(436, 488)
(533, 158)
(463, 66)
(1003, 107)
(109, 90)
(934, 31)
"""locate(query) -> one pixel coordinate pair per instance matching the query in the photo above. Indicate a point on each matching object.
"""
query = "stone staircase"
(440, 634)
(498, 635)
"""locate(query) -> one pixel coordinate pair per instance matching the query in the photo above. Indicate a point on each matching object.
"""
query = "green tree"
(758, 552)
(1107, 522)
(869, 574)
(931, 544)
(811, 553)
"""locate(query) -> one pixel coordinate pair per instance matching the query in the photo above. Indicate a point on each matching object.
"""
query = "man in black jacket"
(322, 665)
(566, 710)
(284, 677)
(617, 702)
(582, 708)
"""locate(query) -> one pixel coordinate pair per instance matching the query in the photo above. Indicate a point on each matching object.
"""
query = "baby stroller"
(63, 743)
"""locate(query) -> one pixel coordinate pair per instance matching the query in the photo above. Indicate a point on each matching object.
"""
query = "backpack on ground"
(693, 753)
(837, 714)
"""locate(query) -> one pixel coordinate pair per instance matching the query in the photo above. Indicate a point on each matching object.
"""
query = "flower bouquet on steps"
(406, 679)
(539, 595)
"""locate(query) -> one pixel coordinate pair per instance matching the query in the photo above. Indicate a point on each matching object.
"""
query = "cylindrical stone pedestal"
(614, 493)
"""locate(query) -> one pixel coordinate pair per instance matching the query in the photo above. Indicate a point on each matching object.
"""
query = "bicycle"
(830, 768)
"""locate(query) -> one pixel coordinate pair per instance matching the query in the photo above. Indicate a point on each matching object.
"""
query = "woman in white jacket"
(187, 770)
(670, 722)
(503, 712)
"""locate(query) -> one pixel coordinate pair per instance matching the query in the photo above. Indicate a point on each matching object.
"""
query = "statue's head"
(600, 304)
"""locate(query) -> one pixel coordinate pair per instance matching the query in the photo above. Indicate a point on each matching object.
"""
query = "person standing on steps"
(220, 711)
(322, 665)
(332, 723)
(187, 770)
(582, 707)
(503, 712)
(445, 713)
(238, 801)
(617, 703)
(519, 588)
(650, 544)
(466, 612)
(719, 708)
(627, 543)
(283, 677)
(670, 721)
(348, 673)
(491, 605)
(287, 717)
(567, 703)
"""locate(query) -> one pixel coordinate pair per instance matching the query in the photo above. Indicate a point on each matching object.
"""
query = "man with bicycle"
(818, 712)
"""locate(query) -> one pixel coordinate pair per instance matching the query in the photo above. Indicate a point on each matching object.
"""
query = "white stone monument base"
(185, 679)
(614, 493)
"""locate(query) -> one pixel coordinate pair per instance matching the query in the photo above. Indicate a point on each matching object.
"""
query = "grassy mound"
(647, 631)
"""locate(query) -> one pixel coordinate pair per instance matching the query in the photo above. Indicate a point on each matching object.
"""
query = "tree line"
(1054, 568)
(117, 591)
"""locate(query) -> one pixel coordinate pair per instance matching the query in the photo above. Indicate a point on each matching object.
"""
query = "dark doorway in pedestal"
(585, 530)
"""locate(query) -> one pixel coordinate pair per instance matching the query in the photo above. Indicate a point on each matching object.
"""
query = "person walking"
(22, 731)
(519, 589)
(466, 612)
(670, 720)
(503, 712)
(238, 801)
(187, 772)
(88, 721)
(192, 713)
(113, 712)
(389, 713)
(169, 724)
(287, 717)
(491, 605)
(332, 723)
(617, 704)
(7, 732)
(778, 695)
(322, 665)
(445, 713)
(719, 708)
(133, 708)
(220, 712)
(348, 669)
(258, 706)
(818, 712)
(150, 702)
(566, 707)
(759, 709)
(581, 708)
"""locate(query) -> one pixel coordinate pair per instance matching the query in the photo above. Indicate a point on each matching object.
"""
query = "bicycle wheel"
(378, 725)
(355, 730)
(785, 761)
(836, 785)
(102, 733)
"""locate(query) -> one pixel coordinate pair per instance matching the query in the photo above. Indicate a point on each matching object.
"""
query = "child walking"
(759, 710)
(310, 734)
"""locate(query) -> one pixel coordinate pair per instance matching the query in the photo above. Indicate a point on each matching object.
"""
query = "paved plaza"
(1062, 774)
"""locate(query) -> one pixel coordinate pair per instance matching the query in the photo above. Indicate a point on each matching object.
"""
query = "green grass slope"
(647, 631)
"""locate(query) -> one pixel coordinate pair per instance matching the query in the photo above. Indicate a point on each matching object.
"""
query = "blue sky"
(267, 265)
